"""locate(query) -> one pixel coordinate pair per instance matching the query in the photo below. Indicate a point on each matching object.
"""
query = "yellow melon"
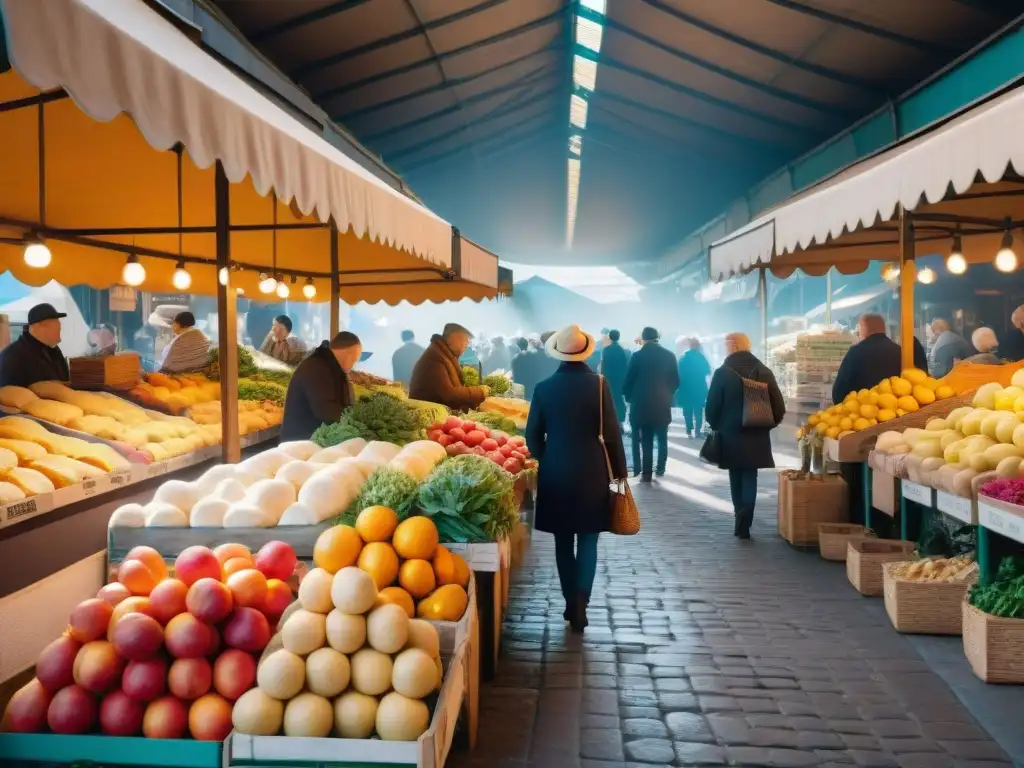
(380, 561)
(376, 524)
(337, 548)
(416, 538)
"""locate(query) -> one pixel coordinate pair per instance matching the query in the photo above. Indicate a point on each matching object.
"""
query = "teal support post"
(904, 523)
(867, 495)
(985, 570)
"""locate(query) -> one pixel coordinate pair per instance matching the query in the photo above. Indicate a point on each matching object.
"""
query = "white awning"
(916, 174)
(478, 265)
(120, 56)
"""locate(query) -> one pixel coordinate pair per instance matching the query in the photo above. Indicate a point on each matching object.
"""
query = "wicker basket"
(805, 502)
(924, 607)
(864, 560)
(994, 646)
(834, 537)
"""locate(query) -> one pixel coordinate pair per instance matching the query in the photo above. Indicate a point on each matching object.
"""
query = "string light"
(926, 276)
(222, 276)
(267, 283)
(133, 273)
(890, 272)
(1006, 259)
(37, 254)
(955, 262)
(282, 288)
(309, 289)
(181, 279)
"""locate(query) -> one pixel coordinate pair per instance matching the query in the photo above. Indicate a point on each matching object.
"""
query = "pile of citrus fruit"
(889, 399)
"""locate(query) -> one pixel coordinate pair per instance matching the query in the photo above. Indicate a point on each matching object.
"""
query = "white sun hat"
(570, 345)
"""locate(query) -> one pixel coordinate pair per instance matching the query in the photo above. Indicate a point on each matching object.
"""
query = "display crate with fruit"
(993, 625)
(924, 596)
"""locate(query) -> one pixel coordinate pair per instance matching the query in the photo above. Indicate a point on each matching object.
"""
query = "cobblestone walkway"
(705, 650)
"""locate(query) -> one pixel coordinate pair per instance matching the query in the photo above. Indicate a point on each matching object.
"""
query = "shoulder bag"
(757, 403)
(624, 515)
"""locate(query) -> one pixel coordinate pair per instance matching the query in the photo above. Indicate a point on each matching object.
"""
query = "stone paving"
(706, 650)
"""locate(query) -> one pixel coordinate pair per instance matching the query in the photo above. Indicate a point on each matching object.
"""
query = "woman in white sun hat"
(563, 432)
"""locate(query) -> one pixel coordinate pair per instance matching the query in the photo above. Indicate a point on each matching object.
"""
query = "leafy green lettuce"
(470, 499)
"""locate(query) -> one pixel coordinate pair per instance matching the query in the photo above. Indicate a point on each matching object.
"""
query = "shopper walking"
(733, 400)
(614, 364)
(650, 387)
(694, 371)
(563, 433)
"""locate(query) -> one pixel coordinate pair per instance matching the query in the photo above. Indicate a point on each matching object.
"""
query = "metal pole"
(227, 322)
(828, 297)
(762, 289)
(335, 325)
(908, 275)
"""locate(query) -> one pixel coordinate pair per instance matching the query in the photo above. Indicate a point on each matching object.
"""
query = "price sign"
(19, 511)
(1000, 521)
(955, 506)
(920, 494)
(89, 486)
(120, 479)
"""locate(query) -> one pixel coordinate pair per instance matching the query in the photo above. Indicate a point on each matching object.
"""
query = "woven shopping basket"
(994, 646)
(864, 560)
(924, 607)
(833, 539)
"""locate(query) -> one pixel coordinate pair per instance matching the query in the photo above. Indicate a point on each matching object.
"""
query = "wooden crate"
(833, 539)
(994, 646)
(885, 493)
(807, 501)
(924, 607)
(121, 371)
(864, 560)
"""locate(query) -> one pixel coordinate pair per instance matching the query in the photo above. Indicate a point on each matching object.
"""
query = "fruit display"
(1010, 490)
(889, 399)
(159, 654)
(493, 421)
(175, 393)
(460, 437)
(499, 382)
(517, 411)
(252, 415)
(470, 499)
(379, 417)
(260, 403)
(939, 569)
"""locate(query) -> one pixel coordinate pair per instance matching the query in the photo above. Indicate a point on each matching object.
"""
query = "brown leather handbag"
(624, 517)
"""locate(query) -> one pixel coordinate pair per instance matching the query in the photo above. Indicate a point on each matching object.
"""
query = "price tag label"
(1002, 522)
(89, 486)
(955, 506)
(19, 511)
(156, 469)
(917, 493)
(120, 479)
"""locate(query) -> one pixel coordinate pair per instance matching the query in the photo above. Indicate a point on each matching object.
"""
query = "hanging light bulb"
(890, 272)
(267, 283)
(926, 276)
(956, 264)
(133, 273)
(309, 289)
(1006, 259)
(181, 279)
(37, 254)
(222, 275)
(282, 289)
(240, 291)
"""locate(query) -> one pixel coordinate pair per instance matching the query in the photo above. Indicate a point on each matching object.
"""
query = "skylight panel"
(589, 34)
(572, 199)
(576, 144)
(578, 111)
(584, 73)
(597, 6)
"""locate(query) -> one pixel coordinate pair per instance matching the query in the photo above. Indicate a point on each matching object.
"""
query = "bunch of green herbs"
(377, 417)
(470, 499)
(1004, 596)
(385, 487)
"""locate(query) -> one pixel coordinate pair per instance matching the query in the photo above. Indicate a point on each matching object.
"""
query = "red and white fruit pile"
(157, 655)
(460, 437)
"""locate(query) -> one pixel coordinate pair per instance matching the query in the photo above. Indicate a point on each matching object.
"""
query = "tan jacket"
(437, 378)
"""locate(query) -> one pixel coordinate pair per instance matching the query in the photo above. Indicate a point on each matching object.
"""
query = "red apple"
(126, 607)
(276, 560)
(195, 563)
(97, 667)
(138, 636)
(26, 711)
(114, 593)
(152, 559)
(469, 426)
(247, 630)
(234, 673)
(189, 678)
(145, 680)
(90, 619)
(55, 667)
(186, 637)
(209, 718)
(490, 444)
(452, 422)
(120, 714)
(248, 588)
(279, 597)
(72, 710)
(168, 599)
(209, 600)
(474, 438)
(165, 718)
(458, 434)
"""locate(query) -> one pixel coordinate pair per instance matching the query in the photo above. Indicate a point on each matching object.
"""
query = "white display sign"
(956, 506)
(1008, 524)
(920, 494)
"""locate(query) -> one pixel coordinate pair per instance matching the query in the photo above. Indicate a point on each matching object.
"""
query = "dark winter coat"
(650, 387)
(742, 447)
(694, 370)
(27, 360)
(614, 364)
(866, 363)
(317, 394)
(404, 360)
(920, 357)
(437, 378)
(524, 371)
(562, 433)
(1011, 345)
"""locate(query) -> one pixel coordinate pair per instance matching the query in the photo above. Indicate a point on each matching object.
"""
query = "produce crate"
(894, 464)
(119, 372)
(834, 538)
(429, 751)
(807, 501)
(994, 646)
(864, 560)
(856, 447)
(26, 749)
(924, 607)
(885, 493)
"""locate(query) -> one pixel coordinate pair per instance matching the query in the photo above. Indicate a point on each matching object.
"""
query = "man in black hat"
(652, 379)
(35, 356)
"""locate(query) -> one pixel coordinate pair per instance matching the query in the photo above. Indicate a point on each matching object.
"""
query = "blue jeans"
(576, 569)
(693, 415)
(743, 487)
(643, 449)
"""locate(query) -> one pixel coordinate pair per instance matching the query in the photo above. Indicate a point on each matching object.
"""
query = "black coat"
(524, 371)
(562, 433)
(866, 363)
(650, 387)
(742, 447)
(317, 394)
(27, 360)
(694, 370)
(1011, 345)
(614, 364)
(404, 360)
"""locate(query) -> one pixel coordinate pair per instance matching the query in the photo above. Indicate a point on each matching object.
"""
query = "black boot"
(746, 522)
(579, 618)
(737, 522)
(570, 609)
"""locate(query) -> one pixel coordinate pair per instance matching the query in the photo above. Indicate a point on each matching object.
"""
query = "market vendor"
(437, 377)
(873, 358)
(189, 350)
(320, 388)
(281, 345)
(35, 356)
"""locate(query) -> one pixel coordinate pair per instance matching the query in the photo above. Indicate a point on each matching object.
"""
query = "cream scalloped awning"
(139, 87)
(951, 176)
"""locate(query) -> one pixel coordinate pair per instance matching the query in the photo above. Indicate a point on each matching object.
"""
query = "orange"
(444, 566)
(447, 603)
(417, 578)
(461, 571)
(376, 524)
(337, 548)
(416, 538)
(380, 561)
(396, 596)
